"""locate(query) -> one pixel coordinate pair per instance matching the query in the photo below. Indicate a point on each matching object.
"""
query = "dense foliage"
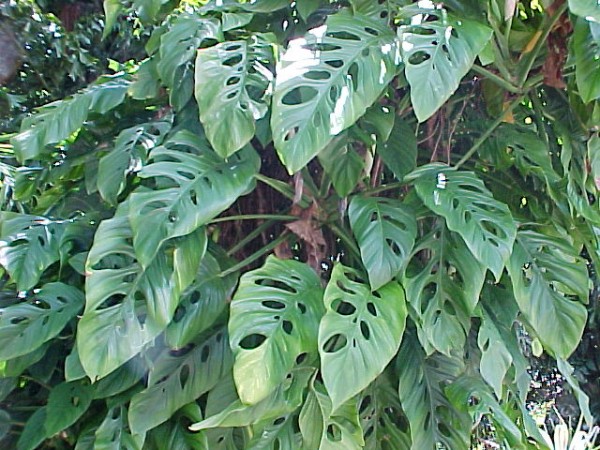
(296, 225)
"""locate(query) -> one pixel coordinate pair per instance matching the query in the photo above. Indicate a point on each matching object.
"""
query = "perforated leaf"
(26, 325)
(324, 428)
(128, 305)
(273, 325)
(203, 302)
(56, 121)
(326, 81)
(385, 230)
(28, 246)
(586, 46)
(360, 332)
(285, 399)
(433, 419)
(177, 378)
(191, 189)
(383, 422)
(275, 434)
(177, 52)
(66, 403)
(443, 290)
(438, 51)
(129, 153)
(231, 83)
(484, 223)
(113, 434)
(548, 276)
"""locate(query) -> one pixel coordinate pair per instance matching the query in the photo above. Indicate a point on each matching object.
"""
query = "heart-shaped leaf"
(343, 164)
(437, 51)
(177, 378)
(443, 291)
(26, 325)
(231, 85)
(385, 230)
(360, 332)
(273, 325)
(191, 189)
(484, 223)
(547, 274)
(128, 305)
(326, 81)
(112, 434)
(66, 403)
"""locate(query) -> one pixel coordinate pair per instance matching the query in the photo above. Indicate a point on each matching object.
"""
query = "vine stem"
(488, 132)
(283, 217)
(254, 256)
(506, 85)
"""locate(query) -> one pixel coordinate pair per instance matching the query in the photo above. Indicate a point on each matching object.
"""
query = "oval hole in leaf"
(418, 58)
(371, 309)
(365, 330)
(334, 433)
(232, 61)
(184, 375)
(252, 341)
(317, 75)
(299, 95)
(364, 404)
(343, 308)
(279, 421)
(335, 343)
(287, 326)
(273, 304)
(301, 358)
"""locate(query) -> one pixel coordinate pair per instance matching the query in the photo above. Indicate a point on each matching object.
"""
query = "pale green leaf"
(275, 434)
(438, 51)
(274, 322)
(484, 223)
(593, 155)
(231, 21)
(112, 434)
(547, 272)
(26, 325)
(385, 230)
(112, 9)
(496, 358)
(231, 82)
(586, 45)
(587, 9)
(360, 332)
(191, 189)
(326, 81)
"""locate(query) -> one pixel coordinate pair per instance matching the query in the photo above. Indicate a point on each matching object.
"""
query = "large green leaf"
(130, 151)
(28, 246)
(586, 45)
(66, 403)
(231, 84)
(547, 274)
(203, 302)
(177, 378)
(128, 305)
(484, 223)
(326, 81)
(443, 290)
(277, 434)
(433, 419)
(112, 434)
(284, 400)
(360, 332)
(177, 52)
(33, 433)
(385, 230)
(191, 189)
(437, 50)
(273, 325)
(588, 9)
(343, 164)
(26, 325)
(399, 152)
(325, 428)
(384, 424)
(58, 120)
(174, 433)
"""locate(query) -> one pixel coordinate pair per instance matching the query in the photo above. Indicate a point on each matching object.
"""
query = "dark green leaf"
(399, 152)
(343, 165)
(112, 434)
(66, 403)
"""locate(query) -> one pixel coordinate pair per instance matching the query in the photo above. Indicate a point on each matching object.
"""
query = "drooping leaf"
(174, 433)
(191, 189)
(177, 52)
(582, 398)
(123, 378)
(56, 121)
(360, 332)
(203, 302)
(128, 305)
(26, 325)
(593, 155)
(343, 164)
(484, 223)
(496, 359)
(385, 230)
(548, 275)
(112, 434)
(273, 325)
(66, 403)
(326, 428)
(443, 291)
(587, 9)
(384, 424)
(438, 51)
(284, 400)
(275, 434)
(433, 419)
(326, 81)
(586, 45)
(231, 82)
(399, 152)
(34, 432)
(130, 151)
(16, 366)
(177, 378)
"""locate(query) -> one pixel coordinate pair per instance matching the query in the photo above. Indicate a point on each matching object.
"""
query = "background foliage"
(282, 225)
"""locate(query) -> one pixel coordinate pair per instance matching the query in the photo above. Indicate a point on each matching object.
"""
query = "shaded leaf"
(343, 164)
(360, 332)
(66, 403)
(112, 434)
(275, 434)
(273, 324)
(399, 152)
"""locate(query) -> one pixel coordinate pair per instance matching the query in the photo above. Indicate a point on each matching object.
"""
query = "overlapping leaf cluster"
(442, 183)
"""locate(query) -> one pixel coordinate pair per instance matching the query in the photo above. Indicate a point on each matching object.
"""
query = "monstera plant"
(304, 224)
